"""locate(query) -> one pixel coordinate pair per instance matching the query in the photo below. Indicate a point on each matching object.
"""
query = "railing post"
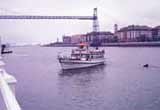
(10, 80)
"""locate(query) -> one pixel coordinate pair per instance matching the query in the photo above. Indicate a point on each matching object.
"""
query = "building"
(156, 33)
(75, 39)
(134, 33)
(83, 38)
(115, 28)
(102, 37)
(66, 39)
(92, 37)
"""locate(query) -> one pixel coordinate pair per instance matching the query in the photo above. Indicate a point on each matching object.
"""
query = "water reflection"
(91, 70)
(79, 88)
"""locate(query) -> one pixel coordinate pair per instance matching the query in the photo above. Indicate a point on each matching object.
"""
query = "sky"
(110, 12)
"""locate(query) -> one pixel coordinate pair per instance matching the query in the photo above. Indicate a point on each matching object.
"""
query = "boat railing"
(63, 57)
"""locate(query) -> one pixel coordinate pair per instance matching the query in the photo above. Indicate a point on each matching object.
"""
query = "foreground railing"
(6, 91)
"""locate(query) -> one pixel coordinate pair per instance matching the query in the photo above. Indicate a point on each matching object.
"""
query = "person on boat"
(87, 57)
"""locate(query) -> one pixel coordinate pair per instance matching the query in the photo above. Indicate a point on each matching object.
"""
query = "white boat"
(82, 57)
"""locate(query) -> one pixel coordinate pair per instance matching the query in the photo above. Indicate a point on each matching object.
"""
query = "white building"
(156, 33)
(134, 33)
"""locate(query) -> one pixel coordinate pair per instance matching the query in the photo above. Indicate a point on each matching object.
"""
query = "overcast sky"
(110, 12)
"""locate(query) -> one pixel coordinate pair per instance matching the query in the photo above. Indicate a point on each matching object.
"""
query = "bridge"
(48, 17)
(28, 17)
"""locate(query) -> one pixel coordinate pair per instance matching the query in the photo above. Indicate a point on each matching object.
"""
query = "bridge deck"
(47, 17)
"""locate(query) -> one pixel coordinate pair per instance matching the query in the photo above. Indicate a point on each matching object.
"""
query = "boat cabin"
(85, 54)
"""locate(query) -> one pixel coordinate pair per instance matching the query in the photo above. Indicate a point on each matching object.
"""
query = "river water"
(121, 84)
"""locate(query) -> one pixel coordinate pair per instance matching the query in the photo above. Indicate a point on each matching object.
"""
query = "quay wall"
(120, 44)
(133, 44)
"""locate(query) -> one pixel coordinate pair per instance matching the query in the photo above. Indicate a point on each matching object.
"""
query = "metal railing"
(7, 94)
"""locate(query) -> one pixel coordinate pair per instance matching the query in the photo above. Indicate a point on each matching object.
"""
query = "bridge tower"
(95, 21)
(95, 42)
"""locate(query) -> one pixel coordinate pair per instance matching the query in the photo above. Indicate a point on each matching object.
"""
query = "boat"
(82, 57)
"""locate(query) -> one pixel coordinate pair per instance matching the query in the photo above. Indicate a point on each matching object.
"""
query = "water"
(122, 84)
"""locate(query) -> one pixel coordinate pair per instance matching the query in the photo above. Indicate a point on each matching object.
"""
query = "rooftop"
(157, 27)
(135, 27)
(100, 33)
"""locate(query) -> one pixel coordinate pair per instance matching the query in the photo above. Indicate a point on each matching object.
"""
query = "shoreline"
(132, 44)
(120, 44)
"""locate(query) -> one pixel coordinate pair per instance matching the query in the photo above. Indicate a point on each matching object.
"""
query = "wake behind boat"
(82, 57)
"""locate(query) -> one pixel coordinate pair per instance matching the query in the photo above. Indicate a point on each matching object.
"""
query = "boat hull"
(68, 64)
